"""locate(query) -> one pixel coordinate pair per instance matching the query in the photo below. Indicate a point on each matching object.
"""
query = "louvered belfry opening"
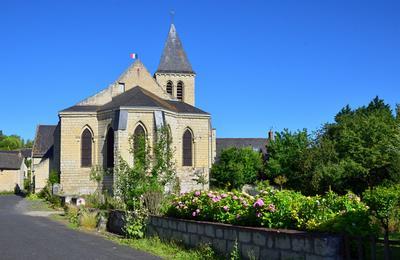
(179, 91)
(187, 148)
(86, 148)
(169, 87)
(110, 148)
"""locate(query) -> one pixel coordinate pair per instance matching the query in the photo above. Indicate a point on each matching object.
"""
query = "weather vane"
(172, 13)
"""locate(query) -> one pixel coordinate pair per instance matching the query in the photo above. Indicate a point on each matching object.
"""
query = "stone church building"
(96, 130)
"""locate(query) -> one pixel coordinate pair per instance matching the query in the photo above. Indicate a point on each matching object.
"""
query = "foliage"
(276, 209)
(150, 172)
(170, 250)
(54, 177)
(13, 142)
(135, 223)
(280, 180)
(235, 254)
(384, 203)
(88, 219)
(72, 214)
(359, 150)
(236, 167)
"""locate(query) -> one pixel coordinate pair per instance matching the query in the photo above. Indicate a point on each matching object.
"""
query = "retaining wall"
(255, 243)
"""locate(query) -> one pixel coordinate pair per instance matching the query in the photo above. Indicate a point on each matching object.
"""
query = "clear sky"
(260, 64)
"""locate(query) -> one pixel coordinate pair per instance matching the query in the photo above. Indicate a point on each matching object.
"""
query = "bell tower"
(174, 73)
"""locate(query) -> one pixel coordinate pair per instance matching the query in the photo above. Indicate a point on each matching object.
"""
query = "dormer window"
(169, 87)
(179, 91)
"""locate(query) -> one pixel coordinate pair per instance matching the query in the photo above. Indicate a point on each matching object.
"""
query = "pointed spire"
(174, 58)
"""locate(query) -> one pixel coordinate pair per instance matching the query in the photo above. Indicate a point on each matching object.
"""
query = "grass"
(152, 245)
(88, 220)
(167, 250)
(7, 193)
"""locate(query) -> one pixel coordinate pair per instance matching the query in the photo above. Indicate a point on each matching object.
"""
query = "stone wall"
(255, 243)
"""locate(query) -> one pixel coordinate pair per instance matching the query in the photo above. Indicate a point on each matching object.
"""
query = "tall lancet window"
(169, 87)
(86, 148)
(187, 148)
(139, 144)
(110, 148)
(179, 91)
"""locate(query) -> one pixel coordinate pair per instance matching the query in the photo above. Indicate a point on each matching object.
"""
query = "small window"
(169, 87)
(121, 86)
(86, 148)
(179, 91)
(187, 145)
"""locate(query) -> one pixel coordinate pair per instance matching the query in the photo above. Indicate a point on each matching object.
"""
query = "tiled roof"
(139, 97)
(174, 58)
(10, 160)
(254, 143)
(44, 140)
(26, 152)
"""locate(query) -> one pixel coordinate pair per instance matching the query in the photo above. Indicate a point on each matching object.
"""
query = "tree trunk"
(387, 250)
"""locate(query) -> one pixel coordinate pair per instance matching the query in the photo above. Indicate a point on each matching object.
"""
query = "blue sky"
(260, 64)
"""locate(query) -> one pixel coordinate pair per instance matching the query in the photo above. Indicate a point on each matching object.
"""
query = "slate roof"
(26, 152)
(139, 97)
(44, 140)
(173, 58)
(254, 143)
(10, 160)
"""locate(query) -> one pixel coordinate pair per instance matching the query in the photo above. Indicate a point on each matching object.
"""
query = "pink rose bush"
(275, 209)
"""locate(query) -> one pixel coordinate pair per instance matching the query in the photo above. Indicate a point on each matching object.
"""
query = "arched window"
(169, 87)
(110, 148)
(139, 144)
(86, 148)
(187, 148)
(179, 91)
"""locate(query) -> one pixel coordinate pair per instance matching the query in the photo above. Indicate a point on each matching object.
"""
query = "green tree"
(236, 167)
(11, 142)
(286, 156)
(384, 204)
(359, 150)
(367, 142)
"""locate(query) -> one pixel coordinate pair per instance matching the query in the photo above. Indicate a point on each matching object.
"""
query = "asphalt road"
(27, 237)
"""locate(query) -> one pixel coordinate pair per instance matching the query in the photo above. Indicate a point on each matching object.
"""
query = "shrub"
(236, 167)
(88, 219)
(72, 213)
(276, 209)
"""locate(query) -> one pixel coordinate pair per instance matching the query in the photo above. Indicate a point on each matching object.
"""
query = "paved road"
(28, 237)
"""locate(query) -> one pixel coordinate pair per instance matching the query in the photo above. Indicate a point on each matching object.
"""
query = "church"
(96, 130)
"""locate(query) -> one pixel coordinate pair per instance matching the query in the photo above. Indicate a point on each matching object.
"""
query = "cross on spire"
(172, 14)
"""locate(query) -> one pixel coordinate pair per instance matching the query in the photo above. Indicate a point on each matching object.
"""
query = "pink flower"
(224, 195)
(210, 195)
(271, 208)
(258, 203)
(216, 199)
(258, 215)
(226, 208)
(197, 211)
(234, 197)
(194, 214)
(197, 193)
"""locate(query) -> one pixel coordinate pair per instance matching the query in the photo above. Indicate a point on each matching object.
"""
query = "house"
(43, 159)
(12, 170)
(95, 131)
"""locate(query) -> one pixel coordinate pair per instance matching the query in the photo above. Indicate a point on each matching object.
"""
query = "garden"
(343, 179)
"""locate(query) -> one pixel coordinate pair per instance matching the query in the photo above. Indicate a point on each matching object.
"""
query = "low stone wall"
(257, 243)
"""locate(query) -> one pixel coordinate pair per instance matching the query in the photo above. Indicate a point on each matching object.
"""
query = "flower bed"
(276, 209)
